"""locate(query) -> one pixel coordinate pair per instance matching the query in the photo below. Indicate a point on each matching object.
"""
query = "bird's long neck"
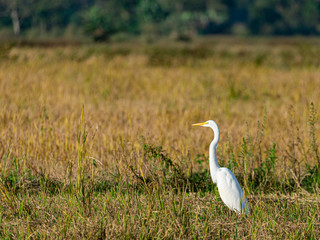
(213, 163)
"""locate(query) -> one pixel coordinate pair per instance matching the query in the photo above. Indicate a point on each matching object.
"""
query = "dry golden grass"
(258, 91)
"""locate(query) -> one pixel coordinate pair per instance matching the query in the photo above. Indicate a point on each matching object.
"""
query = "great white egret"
(228, 186)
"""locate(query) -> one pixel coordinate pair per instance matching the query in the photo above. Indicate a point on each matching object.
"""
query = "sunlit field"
(96, 141)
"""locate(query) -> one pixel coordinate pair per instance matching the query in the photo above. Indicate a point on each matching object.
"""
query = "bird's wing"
(230, 191)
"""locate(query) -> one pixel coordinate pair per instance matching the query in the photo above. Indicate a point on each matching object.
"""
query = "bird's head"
(210, 123)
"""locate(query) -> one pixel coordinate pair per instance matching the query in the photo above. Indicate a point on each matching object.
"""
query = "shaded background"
(182, 20)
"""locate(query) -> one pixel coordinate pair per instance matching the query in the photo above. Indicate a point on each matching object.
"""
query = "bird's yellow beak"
(199, 124)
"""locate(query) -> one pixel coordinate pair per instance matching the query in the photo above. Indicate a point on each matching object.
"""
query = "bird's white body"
(231, 192)
(229, 188)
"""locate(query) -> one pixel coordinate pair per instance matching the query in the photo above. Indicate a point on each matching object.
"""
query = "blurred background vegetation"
(103, 20)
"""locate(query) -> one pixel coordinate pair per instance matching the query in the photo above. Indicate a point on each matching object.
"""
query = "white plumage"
(229, 188)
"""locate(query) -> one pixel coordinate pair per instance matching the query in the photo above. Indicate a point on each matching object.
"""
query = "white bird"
(229, 188)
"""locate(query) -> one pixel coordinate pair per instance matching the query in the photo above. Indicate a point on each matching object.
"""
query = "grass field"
(96, 140)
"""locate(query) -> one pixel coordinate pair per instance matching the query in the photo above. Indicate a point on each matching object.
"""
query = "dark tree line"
(101, 19)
